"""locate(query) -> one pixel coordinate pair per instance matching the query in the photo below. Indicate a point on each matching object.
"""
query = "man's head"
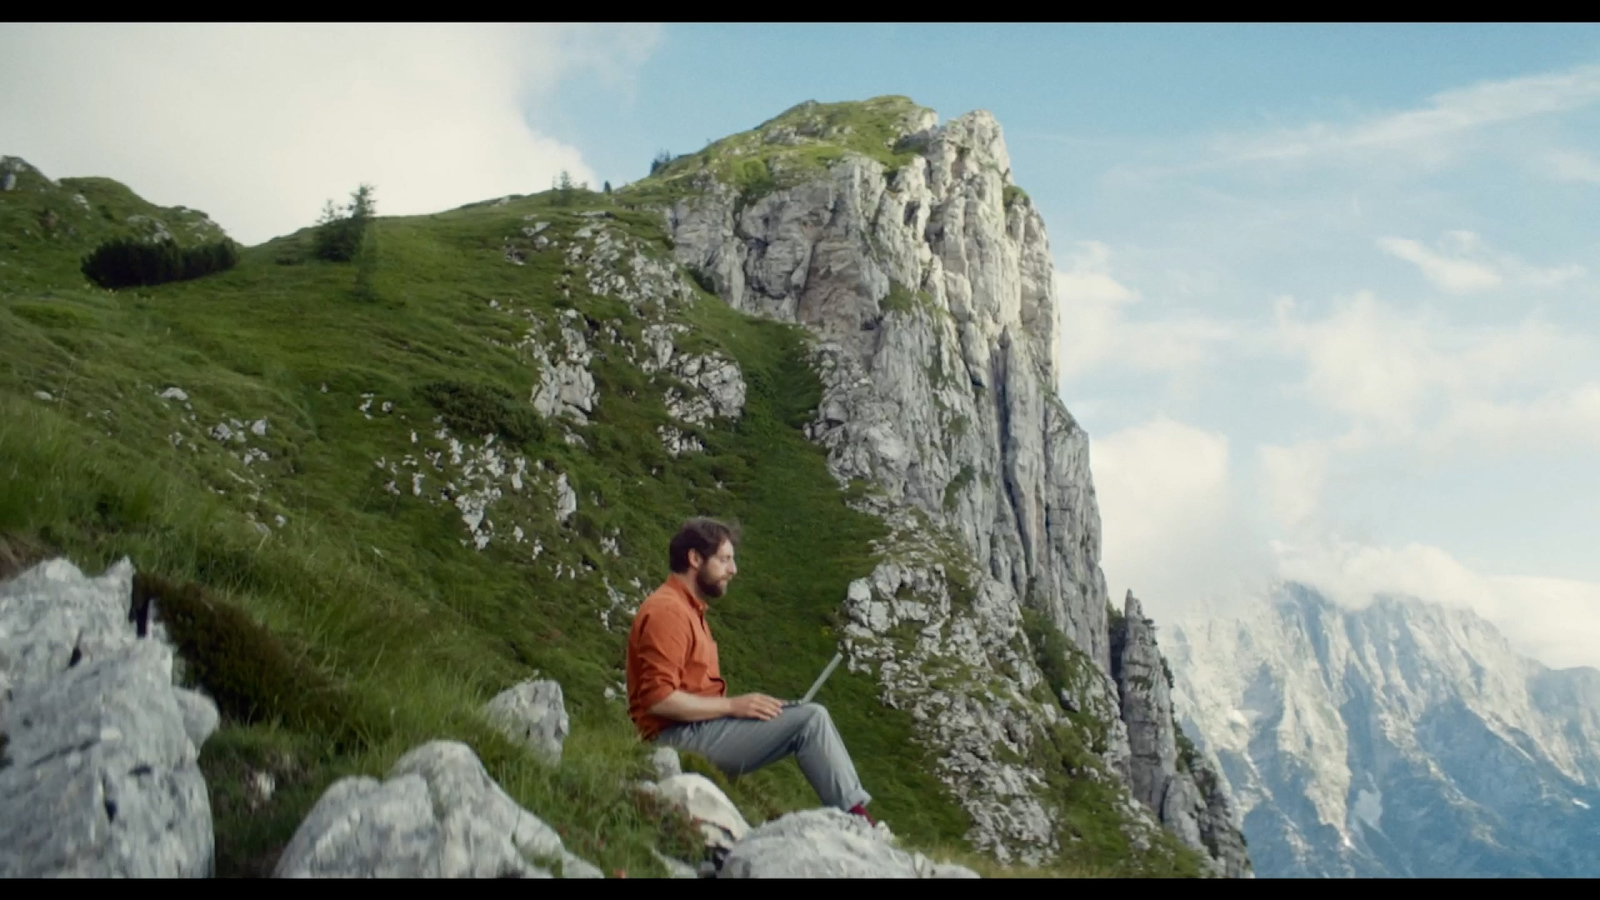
(702, 552)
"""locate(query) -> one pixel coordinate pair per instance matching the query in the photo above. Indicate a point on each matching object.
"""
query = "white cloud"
(1463, 264)
(1088, 310)
(1386, 368)
(1422, 139)
(1555, 621)
(259, 124)
(1559, 420)
(1173, 531)
(1453, 275)
(1365, 360)
(1571, 166)
(1446, 117)
(1294, 478)
(1095, 332)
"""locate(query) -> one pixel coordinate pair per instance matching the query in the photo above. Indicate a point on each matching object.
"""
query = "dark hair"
(704, 536)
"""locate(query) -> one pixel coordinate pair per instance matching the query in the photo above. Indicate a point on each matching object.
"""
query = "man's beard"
(707, 588)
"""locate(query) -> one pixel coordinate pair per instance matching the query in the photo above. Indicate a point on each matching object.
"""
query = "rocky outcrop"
(1146, 705)
(828, 843)
(438, 815)
(981, 732)
(99, 773)
(929, 287)
(1163, 778)
(566, 388)
(534, 714)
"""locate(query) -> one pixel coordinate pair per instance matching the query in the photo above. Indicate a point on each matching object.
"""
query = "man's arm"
(663, 646)
(685, 707)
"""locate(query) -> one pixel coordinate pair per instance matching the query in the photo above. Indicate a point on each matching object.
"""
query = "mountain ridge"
(1417, 742)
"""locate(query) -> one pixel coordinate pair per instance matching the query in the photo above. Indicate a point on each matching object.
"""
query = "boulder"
(438, 815)
(532, 713)
(828, 843)
(101, 776)
(719, 820)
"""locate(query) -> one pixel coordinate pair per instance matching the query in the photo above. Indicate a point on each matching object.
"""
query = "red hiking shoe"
(861, 811)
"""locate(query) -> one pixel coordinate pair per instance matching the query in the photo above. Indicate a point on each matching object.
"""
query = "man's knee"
(813, 715)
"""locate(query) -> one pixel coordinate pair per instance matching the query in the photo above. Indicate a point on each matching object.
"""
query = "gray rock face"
(101, 776)
(438, 815)
(533, 713)
(1146, 706)
(828, 843)
(8, 181)
(1404, 739)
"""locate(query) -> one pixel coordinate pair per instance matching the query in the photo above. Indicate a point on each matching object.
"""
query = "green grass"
(816, 135)
(45, 232)
(362, 626)
(362, 622)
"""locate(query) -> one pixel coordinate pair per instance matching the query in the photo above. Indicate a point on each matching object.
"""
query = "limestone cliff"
(927, 281)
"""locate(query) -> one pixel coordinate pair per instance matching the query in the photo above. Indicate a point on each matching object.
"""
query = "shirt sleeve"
(662, 651)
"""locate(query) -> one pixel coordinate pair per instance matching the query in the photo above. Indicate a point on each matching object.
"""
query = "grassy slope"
(373, 593)
(362, 626)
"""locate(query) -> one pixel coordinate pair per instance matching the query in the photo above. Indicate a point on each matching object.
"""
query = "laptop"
(817, 685)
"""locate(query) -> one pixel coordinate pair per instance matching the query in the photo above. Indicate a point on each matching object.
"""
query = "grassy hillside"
(46, 227)
(341, 621)
(291, 464)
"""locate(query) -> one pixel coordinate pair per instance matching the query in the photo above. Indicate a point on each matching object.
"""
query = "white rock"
(828, 843)
(439, 815)
(719, 820)
(102, 779)
(533, 713)
(566, 499)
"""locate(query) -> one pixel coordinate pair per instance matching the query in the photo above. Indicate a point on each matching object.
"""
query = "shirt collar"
(682, 590)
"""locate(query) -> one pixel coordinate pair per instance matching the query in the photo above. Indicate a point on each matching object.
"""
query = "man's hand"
(755, 706)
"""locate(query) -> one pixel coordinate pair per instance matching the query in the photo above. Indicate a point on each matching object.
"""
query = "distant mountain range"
(1402, 739)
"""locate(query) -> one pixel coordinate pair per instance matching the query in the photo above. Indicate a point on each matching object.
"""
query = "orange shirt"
(669, 649)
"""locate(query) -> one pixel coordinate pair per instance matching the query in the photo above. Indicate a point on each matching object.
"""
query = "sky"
(1328, 292)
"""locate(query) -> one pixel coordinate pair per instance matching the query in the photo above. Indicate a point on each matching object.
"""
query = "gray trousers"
(737, 746)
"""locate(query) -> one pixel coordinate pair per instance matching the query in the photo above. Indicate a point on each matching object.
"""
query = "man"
(676, 695)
